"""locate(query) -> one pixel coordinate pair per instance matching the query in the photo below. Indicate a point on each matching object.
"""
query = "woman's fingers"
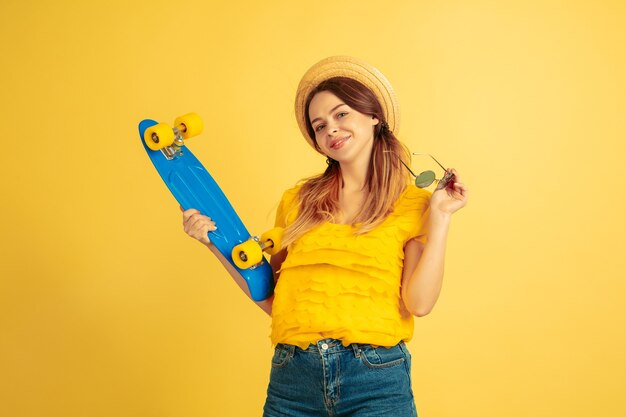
(192, 222)
(188, 213)
(460, 188)
(204, 224)
(456, 174)
(196, 222)
(197, 226)
(457, 178)
(456, 187)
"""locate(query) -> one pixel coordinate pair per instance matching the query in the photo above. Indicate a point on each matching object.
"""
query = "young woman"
(363, 252)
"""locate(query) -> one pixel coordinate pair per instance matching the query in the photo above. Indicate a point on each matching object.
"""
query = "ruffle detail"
(336, 284)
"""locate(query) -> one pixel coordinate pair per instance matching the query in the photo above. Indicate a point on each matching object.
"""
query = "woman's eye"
(343, 112)
(317, 129)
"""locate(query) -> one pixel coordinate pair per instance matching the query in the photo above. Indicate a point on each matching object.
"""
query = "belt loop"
(356, 349)
(403, 348)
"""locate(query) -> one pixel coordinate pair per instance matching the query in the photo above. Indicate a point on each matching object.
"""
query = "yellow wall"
(108, 309)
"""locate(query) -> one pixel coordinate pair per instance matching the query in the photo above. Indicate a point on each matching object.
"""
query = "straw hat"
(347, 66)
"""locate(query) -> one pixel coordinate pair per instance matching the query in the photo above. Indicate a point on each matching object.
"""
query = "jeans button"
(324, 346)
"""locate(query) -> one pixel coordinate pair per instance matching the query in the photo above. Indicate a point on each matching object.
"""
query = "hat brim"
(347, 66)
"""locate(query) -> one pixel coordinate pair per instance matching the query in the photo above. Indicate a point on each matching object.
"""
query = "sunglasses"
(425, 178)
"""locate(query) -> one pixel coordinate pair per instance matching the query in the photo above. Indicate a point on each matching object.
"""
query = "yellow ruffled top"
(335, 284)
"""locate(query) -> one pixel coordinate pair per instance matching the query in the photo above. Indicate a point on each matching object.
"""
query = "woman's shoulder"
(413, 197)
(413, 192)
(291, 193)
(288, 205)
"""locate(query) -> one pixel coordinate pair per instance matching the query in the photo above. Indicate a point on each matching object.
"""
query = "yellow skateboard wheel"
(189, 125)
(158, 136)
(275, 235)
(247, 254)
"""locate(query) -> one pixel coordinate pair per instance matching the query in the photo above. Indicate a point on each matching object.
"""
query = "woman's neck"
(354, 175)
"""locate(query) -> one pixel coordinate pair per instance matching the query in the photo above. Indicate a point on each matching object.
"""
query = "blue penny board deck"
(193, 187)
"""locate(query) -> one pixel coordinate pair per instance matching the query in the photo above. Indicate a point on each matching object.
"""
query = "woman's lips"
(339, 143)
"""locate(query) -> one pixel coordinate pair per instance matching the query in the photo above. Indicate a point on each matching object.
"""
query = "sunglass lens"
(424, 179)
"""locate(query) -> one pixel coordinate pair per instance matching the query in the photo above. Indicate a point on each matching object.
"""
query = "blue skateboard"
(193, 187)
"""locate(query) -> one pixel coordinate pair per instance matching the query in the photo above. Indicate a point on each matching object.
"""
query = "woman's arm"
(197, 226)
(422, 275)
(265, 305)
(276, 261)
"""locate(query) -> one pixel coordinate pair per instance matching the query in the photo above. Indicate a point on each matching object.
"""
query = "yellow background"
(107, 308)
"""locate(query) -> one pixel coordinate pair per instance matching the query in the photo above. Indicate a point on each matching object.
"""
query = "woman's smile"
(339, 142)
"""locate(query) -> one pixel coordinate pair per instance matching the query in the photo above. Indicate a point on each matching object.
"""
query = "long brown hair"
(386, 176)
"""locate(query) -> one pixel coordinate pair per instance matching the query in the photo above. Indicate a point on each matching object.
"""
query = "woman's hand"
(197, 226)
(451, 198)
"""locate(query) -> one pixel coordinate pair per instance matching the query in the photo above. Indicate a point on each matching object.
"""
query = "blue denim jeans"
(329, 379)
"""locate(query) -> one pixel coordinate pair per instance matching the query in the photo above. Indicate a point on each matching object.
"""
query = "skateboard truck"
(174, 150)
(169, 140)
(249, 254)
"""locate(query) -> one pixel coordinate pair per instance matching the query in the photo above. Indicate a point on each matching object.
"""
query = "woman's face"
(341, 132)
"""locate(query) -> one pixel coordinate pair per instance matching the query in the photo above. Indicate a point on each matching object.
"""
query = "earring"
(330, 161)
